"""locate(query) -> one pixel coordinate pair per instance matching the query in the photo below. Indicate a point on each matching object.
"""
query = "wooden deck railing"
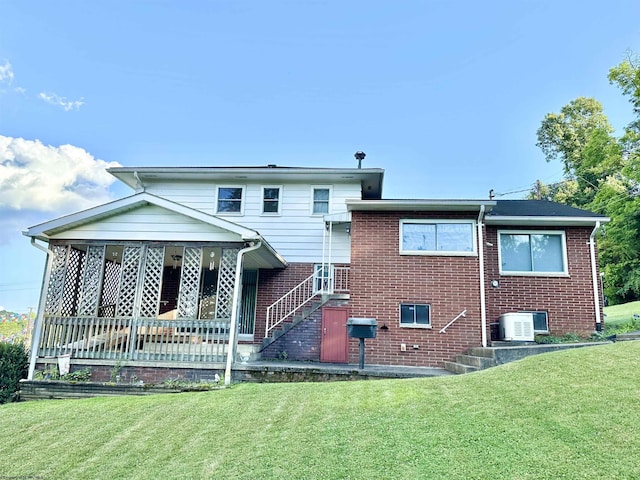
(135, 339)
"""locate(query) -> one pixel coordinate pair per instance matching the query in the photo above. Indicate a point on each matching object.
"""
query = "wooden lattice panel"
(75, 261)
(91, 281)
(226, 282)
(129, 274)
(190, 283)
(110, 287)
(55, 288)
(153, 265)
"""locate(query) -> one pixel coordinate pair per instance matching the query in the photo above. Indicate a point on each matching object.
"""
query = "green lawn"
(622, 313)
(569, 414)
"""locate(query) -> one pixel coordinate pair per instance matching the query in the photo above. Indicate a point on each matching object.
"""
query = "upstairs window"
(321, 200)
(271, 200)
(230, 199)
(532, 253)
(440, 237)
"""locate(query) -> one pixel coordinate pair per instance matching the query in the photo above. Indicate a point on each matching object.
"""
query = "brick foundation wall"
(149, 375)
(568, 300)
(381, 279)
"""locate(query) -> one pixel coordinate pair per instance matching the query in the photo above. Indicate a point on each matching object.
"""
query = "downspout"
(594, 274)
(37, 330)
(235, 307)
(483, 302)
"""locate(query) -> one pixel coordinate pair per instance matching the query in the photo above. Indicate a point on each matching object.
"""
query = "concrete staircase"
(479, 358)
(474, 359)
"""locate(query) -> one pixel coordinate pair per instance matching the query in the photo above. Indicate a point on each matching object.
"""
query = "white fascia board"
(128, 174)
(545, 221)
(417, 205)
(44, 230)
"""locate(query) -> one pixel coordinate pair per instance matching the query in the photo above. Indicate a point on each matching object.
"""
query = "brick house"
(204, 268)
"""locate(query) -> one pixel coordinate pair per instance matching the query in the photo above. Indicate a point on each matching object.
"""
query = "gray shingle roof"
(538, 208)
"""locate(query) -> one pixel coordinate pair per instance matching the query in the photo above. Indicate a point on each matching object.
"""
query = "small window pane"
(229, 199)
(455, 237)
(515, 252)
(547, 253)
(540, 322)
(270, 203)
(418, 237)
(320, 200)
(407, 313)
(422, 314)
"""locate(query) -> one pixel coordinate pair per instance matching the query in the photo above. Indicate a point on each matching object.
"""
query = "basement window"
(416, 315)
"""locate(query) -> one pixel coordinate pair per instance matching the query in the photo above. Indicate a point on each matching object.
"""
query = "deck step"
(455, 367)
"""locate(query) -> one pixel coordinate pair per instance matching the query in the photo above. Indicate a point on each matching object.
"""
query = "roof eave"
(418, 205)
(544, 221)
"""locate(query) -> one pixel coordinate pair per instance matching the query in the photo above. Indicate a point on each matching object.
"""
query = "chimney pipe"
(360, 156)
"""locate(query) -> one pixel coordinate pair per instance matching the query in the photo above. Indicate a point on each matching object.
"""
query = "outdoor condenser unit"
(516, 326)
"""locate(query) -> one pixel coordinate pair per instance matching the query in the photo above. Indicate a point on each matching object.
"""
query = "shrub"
(14, 364)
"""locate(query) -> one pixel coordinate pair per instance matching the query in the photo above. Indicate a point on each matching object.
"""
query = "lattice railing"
(129, 339)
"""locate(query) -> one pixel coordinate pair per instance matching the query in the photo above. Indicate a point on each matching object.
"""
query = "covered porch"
(183, 294)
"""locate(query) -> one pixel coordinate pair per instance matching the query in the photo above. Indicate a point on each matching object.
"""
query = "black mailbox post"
(362, 328)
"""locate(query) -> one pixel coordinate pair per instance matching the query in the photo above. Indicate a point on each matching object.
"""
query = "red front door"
(334, 345)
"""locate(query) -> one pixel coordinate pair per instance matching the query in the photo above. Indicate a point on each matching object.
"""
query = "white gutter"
(596, 296)
(483, 303)
(235, 307)
(37, 330)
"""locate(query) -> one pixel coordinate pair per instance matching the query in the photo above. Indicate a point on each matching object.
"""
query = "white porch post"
(235, 307)
(37, 330)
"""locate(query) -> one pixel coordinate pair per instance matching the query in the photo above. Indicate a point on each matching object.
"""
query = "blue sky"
(445, 96)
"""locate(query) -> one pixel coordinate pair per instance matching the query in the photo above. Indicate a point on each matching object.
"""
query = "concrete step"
(475, 361)
(459, 368)
(486, 352)
(624, 337)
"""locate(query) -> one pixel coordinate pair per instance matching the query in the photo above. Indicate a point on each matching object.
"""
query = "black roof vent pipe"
(360, 156)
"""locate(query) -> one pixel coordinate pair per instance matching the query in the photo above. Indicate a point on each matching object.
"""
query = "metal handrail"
(336, 282)
(461, 314)
(290, 303)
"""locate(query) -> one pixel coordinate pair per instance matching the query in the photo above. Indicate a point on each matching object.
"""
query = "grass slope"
(621, 313)
(569, 414)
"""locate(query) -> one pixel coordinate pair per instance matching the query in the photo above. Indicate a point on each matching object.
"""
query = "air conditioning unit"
(516, 326)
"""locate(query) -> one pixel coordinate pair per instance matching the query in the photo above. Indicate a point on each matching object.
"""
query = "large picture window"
(441, 237)
(532, 253)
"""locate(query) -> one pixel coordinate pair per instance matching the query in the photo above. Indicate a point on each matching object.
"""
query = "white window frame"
(262, 200)
(565, 265)
(546, 314)
(242, 199)
(321, 187)
(414, 324)
(448, 253)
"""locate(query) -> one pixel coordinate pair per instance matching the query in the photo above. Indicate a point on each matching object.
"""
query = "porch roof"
(265, 257)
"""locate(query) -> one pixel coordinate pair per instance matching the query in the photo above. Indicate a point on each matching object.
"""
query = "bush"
(14, 365)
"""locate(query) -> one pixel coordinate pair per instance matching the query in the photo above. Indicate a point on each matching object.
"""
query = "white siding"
(296, 234)
(149, 223)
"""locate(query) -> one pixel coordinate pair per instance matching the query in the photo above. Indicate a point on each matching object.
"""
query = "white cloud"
(57, 100)
(45, 178)
(6, 72)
